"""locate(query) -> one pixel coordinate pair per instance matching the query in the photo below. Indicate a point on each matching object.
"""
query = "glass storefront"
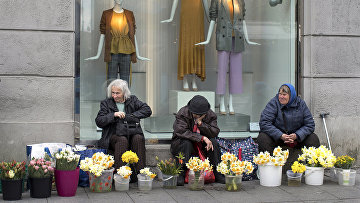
(265, 67)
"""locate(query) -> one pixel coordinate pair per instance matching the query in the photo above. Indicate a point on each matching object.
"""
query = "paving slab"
(183, 194)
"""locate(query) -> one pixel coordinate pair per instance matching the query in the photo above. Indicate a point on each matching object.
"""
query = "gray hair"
(284, 88)
(122, 84)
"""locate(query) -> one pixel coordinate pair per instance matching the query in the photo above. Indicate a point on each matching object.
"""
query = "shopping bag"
(244, 149)
(38, 151)
(209, 176)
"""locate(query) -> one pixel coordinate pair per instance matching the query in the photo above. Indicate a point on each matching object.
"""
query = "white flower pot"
(121, 184)
(314, 175)
(270, 175)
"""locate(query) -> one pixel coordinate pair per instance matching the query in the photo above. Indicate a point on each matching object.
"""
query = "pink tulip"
(45, 171)
(32, 162)
(38, 162)
(44, 166)
(51, 168)
(36, 167)
(48, 163)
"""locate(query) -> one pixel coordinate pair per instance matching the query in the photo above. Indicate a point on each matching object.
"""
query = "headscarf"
(292, 93)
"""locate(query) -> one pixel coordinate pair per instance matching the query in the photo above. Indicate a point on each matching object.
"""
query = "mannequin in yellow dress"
(191, 58)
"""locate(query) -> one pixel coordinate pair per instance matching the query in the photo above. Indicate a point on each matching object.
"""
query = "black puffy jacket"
(134, 109)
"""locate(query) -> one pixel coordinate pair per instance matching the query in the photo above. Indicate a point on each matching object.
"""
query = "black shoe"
(180, 180)
(220, 178)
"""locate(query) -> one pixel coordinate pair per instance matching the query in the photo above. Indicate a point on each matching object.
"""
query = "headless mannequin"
(222, 96)
(188, 77)
(118, 9)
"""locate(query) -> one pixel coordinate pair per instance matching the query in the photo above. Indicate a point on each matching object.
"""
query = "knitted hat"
(199, 105)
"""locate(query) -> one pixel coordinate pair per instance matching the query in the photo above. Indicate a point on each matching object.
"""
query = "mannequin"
(191, 59)
(231, 32)
(117, 27)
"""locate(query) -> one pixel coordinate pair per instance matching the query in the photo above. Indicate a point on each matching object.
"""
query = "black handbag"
(125, 128)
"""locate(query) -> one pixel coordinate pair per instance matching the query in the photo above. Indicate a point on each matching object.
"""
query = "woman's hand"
(288, 138)
(198, 121)
(119, 114)
(209, 144)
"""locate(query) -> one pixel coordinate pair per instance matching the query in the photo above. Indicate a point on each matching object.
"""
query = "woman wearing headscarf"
(286, 121)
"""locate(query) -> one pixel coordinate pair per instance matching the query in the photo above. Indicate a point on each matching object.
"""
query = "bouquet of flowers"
(231, 165)
(129, 157)
(170, 167)
(278, 159)
(124, 172)
(39, 168)
(317, 157)
(344, 162)
(12, 170)
(298, 167)
(198, 165)
(97, 163)
(145, 172)
(66, 160)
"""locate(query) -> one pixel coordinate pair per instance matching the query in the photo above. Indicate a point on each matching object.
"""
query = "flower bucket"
(346, 177)
(314, 175)
(270, 175)
(233, 183)
(12, 189)
(121, 184)
(144, 184)
(196, 180)
(102, 183)
(40, 187)
(294, 179)
(170, 181)
(67, 182)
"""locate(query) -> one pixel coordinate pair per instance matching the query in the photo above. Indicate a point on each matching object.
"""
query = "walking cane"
(323, 115)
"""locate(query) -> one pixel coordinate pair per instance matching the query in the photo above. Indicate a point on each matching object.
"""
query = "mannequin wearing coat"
(231, 33)
(117, 29)
(191, 58)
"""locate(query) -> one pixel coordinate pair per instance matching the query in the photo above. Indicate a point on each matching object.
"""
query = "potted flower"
(12, 174)
(100, 170)
(196, 172)
(40, 178)
(346, 176)
(233, 169)
(170, 170)
(122, 178)
(270, 167)
(66, 172)
(131, 158)
(145, 178)
(294, 175)
(316, 159)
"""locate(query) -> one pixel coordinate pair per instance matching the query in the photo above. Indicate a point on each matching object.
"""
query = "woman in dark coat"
(196, 123)
(119, 110)
(286, 120)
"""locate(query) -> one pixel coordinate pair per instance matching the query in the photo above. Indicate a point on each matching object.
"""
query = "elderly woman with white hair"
(119, 117)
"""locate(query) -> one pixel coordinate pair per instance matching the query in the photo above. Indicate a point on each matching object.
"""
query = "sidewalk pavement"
(251, 192)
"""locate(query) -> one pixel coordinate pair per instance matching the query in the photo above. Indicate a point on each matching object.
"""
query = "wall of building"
(330, 70)
(37, 42)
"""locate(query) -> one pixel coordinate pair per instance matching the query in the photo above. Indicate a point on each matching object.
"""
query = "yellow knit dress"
(191, 58)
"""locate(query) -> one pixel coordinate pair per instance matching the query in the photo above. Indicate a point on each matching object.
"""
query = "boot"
(181, 180)
(219, 178)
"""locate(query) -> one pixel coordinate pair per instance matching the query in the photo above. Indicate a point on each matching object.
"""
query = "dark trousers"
(119, 63)
(267, 143)
(120, 144)
(186, 147)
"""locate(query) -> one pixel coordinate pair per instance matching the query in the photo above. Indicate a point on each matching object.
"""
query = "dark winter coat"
(298, 119)
(134, 109)
(184, 123)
